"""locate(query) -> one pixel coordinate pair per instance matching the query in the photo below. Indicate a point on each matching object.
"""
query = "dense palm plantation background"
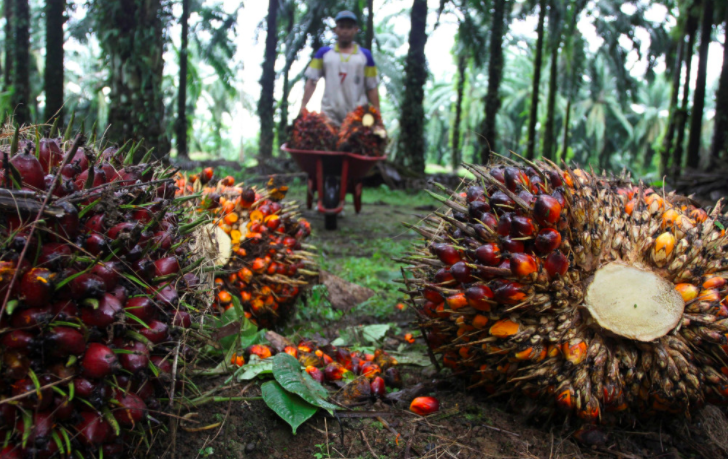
(167, 71)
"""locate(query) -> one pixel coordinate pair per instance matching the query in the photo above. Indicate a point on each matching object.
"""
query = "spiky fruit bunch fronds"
(586, 293)
(260, 239)
(362, 132)
(97, 287)
(313, 131)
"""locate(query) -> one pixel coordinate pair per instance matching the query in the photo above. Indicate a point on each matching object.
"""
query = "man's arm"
(373, 96)
(308, 92)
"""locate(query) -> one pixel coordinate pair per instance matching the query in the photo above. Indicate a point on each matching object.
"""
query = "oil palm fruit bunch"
(362, 132)
(588, 294)
(313, 131)
(366, 375)
(260, 237)
(96, 289)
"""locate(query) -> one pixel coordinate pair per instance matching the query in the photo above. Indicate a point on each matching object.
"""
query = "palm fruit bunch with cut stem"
(260, 237)
(362, 132)
(313, 131)
(579, 293)
(364, 376)
(97, 291)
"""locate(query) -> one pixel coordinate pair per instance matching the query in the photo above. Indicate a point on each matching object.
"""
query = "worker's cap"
(346, 15)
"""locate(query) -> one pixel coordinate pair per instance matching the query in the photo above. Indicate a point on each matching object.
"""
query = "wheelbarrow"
(332, 174)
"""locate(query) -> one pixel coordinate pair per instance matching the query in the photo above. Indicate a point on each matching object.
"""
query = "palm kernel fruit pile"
(95, 295)
(589, 295)
(262, 235)
(369, 375)
(362, 132)
(313, 131)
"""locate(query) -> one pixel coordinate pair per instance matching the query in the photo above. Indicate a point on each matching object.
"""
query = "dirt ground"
(469, 425)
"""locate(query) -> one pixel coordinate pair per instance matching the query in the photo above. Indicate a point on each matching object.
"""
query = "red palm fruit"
(7, 416)
(87, 286)
(130, 410)
(478, 296)
(120, 229)
(108, 272)
(334, 371)
(84, 387)
(511, 245)
(108, 311)
(18, 339)
(138, 360)
(41, 428)
(141, 307)
(36, 287)
(33, 401)
(143, 268)
(477, 209)
(488, 254)
(315, 374)
(11, 452)
(556, 263)
(157, 331)
(456, 301)
(30, 169)
(523, 264)
(446, 253)
(144, 389)
(555, 179)
(291, 350)
(461, 272)
(95, 244)
(98, 179)
(96, 224)
(432, 295)
(504, 224)
(547, 210)
(93, 430)
(515, 178)
(475, 193)
(64, 310)
(343, 356)
(182, 319)
(163, 239)
(261, 350)
(522, 227)
(537, 185)
(49, 154)
(64, 341)
(112, 175)
(164, 365)
(497, 173)
(166, 266)
(99, 361)
(166, 295)
(54, 254)
(547, 240)
(370, 369)
(509, 292)
(69, 171)
(393, 378)
(32, 317)
(500, 202)
(62, 408)
(489, 220)
(378, 387)
(425, 405)
(80, 159)
(444, 277)
(142, 216)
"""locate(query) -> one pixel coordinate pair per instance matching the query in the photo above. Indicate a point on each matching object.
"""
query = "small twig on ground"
(409, 448)
(366, 442)
(326, 427)
(499, 430)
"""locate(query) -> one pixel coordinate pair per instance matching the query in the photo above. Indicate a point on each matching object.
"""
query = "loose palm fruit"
(315, 373)
(425, 406)
(99, 361)
(378, 387)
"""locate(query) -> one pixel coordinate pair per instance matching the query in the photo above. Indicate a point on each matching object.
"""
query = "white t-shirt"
(348, 78)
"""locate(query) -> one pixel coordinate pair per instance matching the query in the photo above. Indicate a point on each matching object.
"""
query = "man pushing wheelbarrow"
(351, 90)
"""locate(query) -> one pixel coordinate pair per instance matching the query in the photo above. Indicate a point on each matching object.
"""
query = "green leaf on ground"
(289, 374)
(256, 366)
(290, 407)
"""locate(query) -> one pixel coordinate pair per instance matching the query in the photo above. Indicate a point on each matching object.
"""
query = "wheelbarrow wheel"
(331, 200)
(330, 221)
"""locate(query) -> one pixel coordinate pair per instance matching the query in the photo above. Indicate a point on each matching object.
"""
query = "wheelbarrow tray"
(351, 167)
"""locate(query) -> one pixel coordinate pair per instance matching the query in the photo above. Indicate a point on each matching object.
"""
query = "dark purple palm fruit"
(65, 341)
(87, 286)
(93, 430)
(109, 272)
(99, 361)
(138, 360)
(30, 169)
(107, 312)
(131, 409)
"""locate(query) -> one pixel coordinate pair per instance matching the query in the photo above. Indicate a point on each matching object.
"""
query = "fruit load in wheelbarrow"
(313, 131)
(362, 132)
(259, 241)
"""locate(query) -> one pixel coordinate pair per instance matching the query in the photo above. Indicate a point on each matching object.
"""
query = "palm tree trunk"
(21, 81)
(267, 83)
(8, 7)
(565, 141)
(548, 137)
(283, 123)
(456, 156)
(721, 108)
(182, 151)
(53, 76)
(412, 117)
(369, 36)
(696, 120)
(495, 75)
(670, 133)
(682, 113)
(533, 112)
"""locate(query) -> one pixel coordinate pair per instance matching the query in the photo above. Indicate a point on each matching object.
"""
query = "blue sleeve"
(370, 59)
